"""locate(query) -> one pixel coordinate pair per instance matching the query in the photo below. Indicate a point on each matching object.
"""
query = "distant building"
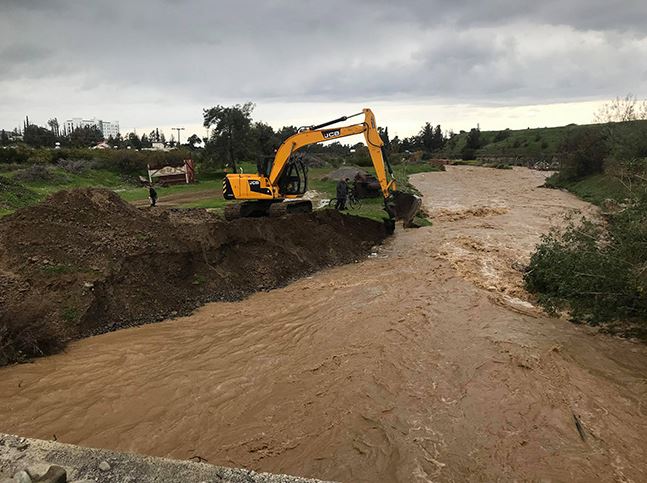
(107, 128)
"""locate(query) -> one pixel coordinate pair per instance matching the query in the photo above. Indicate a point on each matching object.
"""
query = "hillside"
(529, 144)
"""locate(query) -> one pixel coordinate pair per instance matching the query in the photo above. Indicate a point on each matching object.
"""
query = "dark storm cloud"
(481, 52)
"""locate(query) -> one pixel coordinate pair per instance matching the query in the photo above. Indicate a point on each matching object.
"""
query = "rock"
(88, 284)
(55, 474)
(84, 481)
(22, 477)
(37, 469)
(104, 466)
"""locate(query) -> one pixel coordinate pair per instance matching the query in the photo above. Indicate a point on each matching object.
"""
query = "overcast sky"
(148, 63)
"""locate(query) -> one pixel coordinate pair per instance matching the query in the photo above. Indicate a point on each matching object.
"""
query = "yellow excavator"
(280, 183)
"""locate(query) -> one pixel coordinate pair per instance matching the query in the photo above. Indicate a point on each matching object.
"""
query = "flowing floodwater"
(425, 362)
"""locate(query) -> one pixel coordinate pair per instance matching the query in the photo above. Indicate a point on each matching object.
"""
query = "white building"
(107, 128)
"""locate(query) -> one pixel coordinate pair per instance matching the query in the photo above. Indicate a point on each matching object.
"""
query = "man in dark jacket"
(152, 194)
(342, 194)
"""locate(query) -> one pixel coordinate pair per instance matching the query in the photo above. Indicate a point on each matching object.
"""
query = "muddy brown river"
(425, 362)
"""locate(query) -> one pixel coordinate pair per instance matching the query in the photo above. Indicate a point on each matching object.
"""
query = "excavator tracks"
(275, 209)
(290, 207)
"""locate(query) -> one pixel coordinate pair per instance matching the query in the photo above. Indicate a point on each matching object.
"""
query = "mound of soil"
(85, 262)
(344, 172)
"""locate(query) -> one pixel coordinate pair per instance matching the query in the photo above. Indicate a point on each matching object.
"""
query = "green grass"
(594, 189)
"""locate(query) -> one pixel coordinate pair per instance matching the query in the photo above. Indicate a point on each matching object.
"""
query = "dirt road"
(422, 363)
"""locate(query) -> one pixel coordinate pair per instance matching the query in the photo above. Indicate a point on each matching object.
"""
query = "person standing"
(152, 194)
(342, 194)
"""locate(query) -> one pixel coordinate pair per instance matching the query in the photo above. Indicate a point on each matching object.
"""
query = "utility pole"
(178, 129)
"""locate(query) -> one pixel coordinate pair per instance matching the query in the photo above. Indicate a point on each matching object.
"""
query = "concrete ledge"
(100, 465)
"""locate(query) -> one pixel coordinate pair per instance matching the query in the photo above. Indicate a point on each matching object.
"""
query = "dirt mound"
(344, 172)
(85, 262)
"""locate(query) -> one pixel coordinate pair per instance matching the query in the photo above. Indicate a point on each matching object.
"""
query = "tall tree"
(54, 127)
(426, 137)
(230, 131)
(439, 139)
(4, 138)
(474, 138)
(384, 134)
(145, 141)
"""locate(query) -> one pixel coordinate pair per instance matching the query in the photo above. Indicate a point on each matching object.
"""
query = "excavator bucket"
(404, 206)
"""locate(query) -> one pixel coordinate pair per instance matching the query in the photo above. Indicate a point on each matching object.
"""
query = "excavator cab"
(294, 179)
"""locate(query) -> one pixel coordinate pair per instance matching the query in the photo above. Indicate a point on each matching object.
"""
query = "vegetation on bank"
(596, 269)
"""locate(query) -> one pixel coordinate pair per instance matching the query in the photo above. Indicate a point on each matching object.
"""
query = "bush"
(468, 154)
(582, 152)
(36, 173)
(502, 135)
(596, 271)
(14, 155)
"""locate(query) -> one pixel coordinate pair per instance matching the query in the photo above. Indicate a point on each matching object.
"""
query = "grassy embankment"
(595, 269)
(528, 144)
(16, 194)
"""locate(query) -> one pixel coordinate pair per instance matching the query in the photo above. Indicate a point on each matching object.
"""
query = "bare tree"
(622, 109)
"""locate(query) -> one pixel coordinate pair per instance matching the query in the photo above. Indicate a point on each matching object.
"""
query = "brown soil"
(85, 262)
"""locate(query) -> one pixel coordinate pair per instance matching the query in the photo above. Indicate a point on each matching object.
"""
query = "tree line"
(37, 136)
(235, 136)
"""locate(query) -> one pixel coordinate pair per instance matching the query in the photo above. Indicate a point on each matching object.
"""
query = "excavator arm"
(316, 134)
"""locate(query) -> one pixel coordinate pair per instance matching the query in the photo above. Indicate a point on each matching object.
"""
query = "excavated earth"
(85, 262)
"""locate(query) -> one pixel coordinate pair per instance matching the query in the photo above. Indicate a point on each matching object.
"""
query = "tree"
(230, 131)
(384, 134)
(36, 136)
(193, 140)
(145, 141)
(54, 127)
(85, 136)
(285, 132)
(4, 138)
(396, 145)
(624, 109)
(134, 141)
(426, 137)
(439, 139)
(473, 139)
(582, 153)
(265, 141)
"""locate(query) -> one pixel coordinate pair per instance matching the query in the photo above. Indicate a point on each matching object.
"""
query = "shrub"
(582, 153)
(596, 271)
(468, 154)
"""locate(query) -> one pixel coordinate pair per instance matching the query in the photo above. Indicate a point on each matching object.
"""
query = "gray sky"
(148, 63)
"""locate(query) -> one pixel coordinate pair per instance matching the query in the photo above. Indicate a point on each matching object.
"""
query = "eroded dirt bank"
(85, 262)
(400, 368)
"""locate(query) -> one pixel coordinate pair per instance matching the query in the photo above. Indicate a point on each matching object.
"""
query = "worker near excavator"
(342, 194)
(152, 194)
